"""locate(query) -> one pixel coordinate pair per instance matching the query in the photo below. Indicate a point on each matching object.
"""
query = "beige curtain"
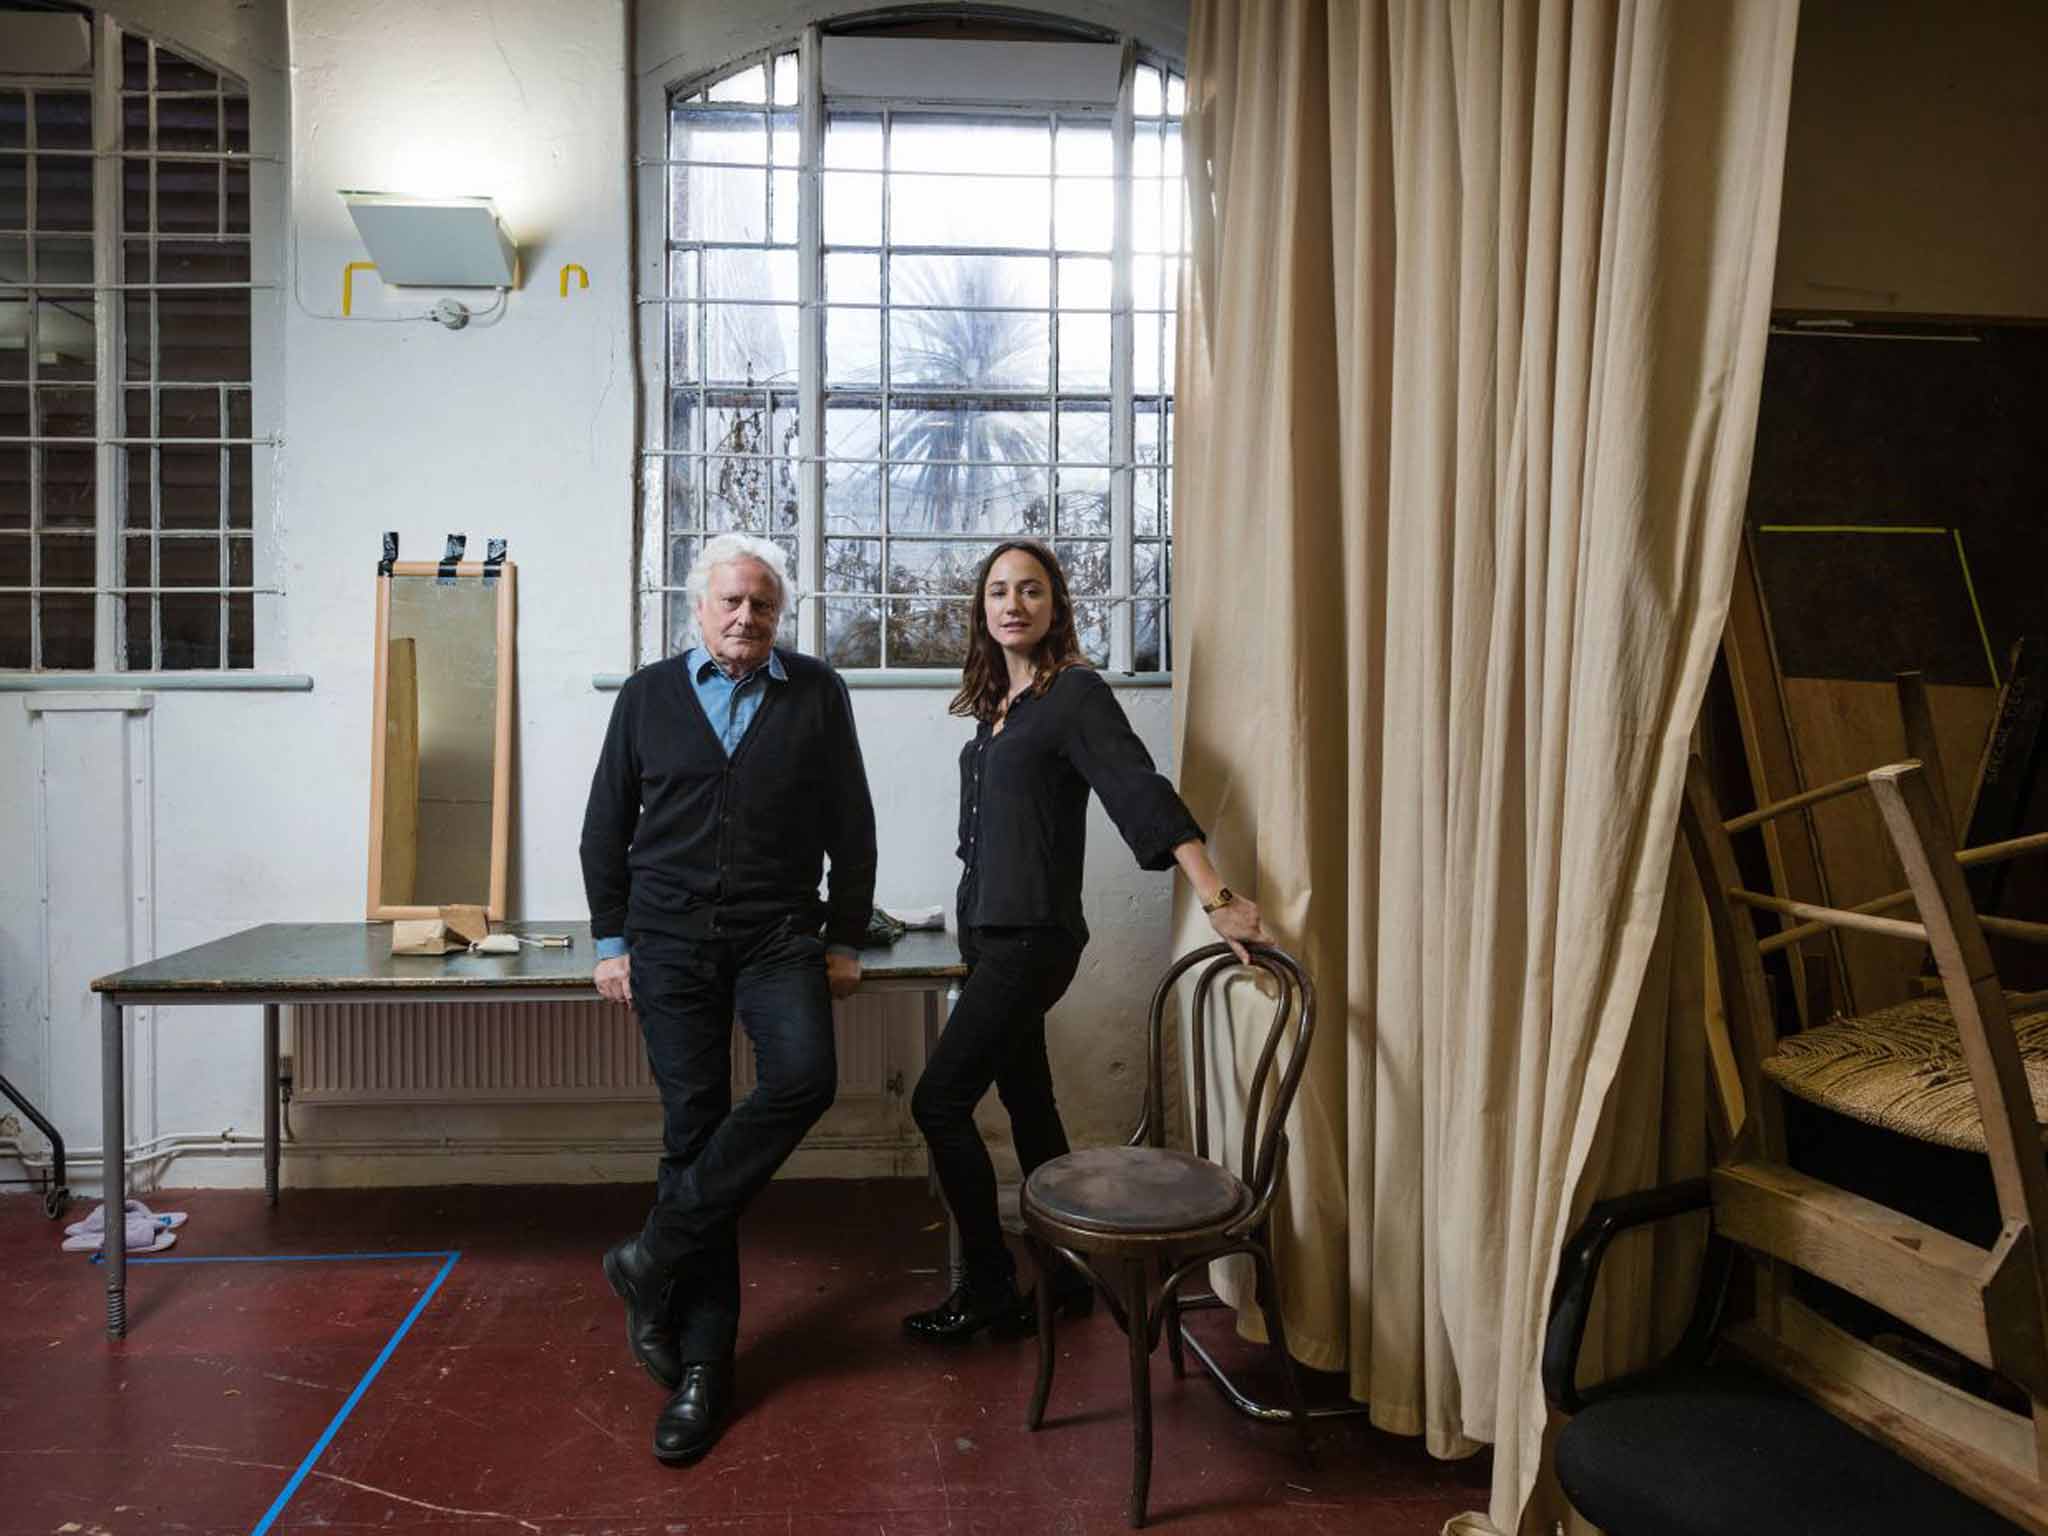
(1469, 363)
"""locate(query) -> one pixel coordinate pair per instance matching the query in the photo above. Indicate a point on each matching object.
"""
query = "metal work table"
(282, 963)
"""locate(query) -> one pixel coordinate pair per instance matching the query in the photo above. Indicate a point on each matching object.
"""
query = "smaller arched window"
(919, 296)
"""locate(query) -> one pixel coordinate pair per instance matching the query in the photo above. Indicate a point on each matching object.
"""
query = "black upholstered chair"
(1786, 1408)
(1139, 1220)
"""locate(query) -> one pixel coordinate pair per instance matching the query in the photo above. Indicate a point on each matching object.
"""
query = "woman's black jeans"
(996, 1035)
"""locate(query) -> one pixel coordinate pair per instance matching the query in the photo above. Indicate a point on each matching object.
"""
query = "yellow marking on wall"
(1970, 587)
(348, 278)
(582, 277)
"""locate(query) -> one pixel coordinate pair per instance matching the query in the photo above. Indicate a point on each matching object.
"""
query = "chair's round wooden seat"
(1135, 1190)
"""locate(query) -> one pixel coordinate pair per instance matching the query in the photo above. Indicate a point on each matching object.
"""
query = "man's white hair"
(728, 547)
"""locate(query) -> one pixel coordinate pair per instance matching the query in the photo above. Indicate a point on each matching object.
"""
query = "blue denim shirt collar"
(700, 662)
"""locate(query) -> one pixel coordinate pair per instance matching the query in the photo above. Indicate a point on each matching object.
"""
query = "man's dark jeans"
(717, 1154)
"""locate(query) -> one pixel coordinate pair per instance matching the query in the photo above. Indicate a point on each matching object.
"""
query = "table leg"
(113, 1161)
(270, 1157)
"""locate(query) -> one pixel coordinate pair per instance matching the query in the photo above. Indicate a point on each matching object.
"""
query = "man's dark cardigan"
(679, 839)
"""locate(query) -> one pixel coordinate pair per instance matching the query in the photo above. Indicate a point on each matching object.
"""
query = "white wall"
(208, 812)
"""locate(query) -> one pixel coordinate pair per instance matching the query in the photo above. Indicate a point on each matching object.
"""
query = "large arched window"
(918, 296)
(132, 455)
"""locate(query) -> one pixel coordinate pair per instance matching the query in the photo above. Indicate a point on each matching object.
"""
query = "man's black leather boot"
(691, 1420)
(645, 1291)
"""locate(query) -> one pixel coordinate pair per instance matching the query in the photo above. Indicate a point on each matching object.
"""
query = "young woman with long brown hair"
(1048, 730)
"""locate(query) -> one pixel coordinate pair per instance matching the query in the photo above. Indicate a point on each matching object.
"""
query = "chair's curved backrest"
(1276, 1075)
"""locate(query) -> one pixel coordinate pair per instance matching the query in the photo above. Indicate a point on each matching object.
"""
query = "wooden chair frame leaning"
(1231, 1214)
(1989, 1306)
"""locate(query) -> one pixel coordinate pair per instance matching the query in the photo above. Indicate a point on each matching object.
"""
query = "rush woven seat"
(1902, 1068)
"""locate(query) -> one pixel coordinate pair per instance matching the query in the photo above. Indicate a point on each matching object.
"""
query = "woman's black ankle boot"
(971, 1308)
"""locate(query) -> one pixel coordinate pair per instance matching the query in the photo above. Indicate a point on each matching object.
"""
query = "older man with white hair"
(729, 776)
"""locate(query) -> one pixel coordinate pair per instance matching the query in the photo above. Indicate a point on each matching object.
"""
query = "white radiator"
(530, 1053)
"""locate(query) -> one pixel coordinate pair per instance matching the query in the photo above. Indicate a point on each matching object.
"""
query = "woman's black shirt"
(1024, 805)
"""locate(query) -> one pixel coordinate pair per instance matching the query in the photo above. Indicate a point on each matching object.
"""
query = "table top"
(315, 958)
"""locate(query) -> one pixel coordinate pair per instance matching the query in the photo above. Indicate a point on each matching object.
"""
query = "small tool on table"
(508, 943)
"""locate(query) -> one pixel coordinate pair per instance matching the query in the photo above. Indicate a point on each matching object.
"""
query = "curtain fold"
(1471, 344)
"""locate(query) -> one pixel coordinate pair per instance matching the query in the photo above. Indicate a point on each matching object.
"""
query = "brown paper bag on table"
(455, 928)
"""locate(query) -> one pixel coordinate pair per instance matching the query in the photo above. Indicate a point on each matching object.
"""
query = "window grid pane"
(184, 514)
(963, 356)
(189, 500)
(728, 457)
(1159, 255)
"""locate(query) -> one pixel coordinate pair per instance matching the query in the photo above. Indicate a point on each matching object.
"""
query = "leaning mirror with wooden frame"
(441, 737)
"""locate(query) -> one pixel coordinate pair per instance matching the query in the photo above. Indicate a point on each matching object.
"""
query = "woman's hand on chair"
(1237, 923)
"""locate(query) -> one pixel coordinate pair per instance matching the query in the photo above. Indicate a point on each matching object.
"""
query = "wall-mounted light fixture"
(435, 242)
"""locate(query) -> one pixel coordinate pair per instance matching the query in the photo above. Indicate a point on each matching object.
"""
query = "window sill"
(937, 681)
(156, 682)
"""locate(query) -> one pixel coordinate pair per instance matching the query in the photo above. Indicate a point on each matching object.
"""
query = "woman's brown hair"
(984, 676)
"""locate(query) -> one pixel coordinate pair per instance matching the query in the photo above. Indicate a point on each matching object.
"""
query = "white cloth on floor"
(144, 1234)
(96, 1222)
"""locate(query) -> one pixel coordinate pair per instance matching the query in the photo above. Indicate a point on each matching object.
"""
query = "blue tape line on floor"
(334, 1425)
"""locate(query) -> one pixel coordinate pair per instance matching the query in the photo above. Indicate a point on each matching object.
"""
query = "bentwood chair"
(1123, 1214)
(1908, 1392)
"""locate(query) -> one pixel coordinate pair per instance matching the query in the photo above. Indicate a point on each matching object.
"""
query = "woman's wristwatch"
(1223, 898)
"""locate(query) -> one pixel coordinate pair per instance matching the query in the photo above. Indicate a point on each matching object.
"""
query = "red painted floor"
(511, 1404)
